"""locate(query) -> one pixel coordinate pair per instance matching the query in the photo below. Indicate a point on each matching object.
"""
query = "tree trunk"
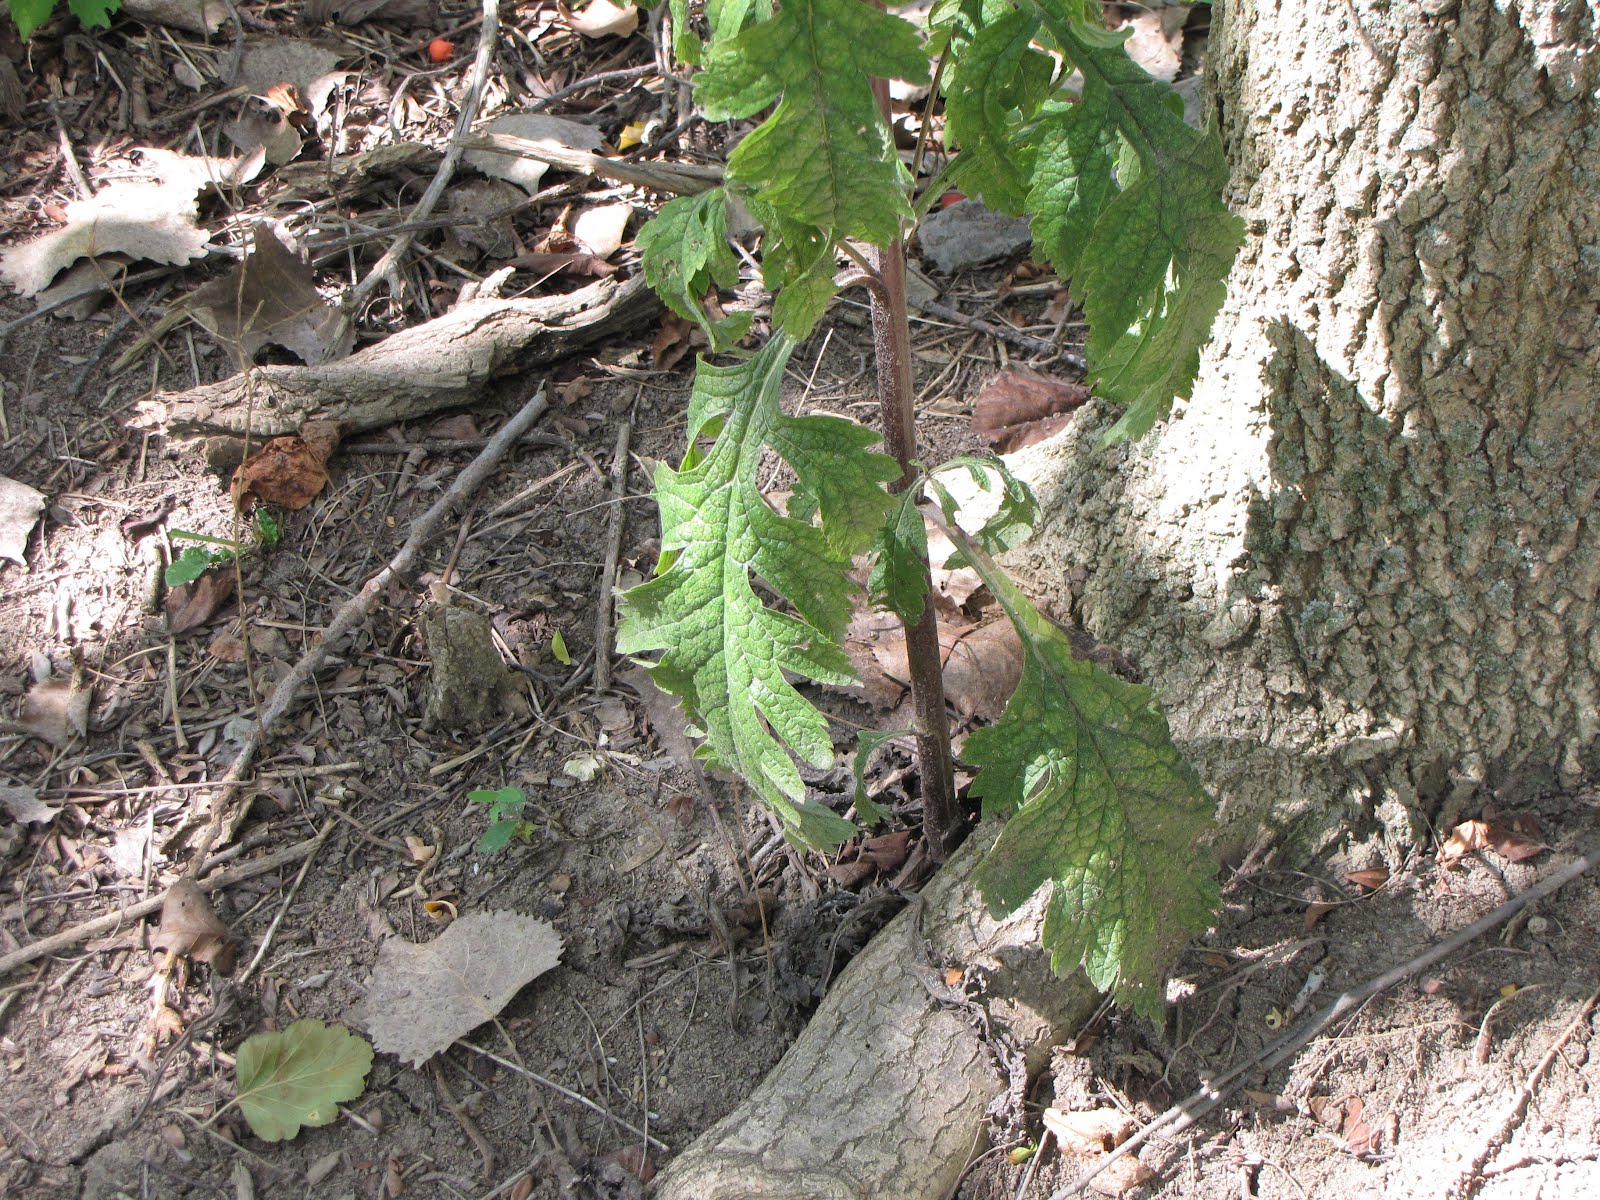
(885, 1092)
(1359, 566)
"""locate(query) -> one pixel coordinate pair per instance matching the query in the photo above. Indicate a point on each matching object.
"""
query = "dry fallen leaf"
(151, 215)
(1018, 408)
(1472, 836)
(55, 711)
(1315, 911)
(534, 127)
(1122, 1176)
(1372, 878)
(191, 928)
(271, 298)
(1089, 1133)
(289, 471)
(20, 508)
(425, 996)
(191, 605)
(601, 18)
(24, 805)
(1156, 42)
(600, 230)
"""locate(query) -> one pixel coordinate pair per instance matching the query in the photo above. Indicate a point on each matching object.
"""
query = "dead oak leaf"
(426, 995)
(191, 605)
(271, 298)
(1471, 836)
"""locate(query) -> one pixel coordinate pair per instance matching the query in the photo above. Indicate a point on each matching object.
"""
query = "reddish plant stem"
(891, 333)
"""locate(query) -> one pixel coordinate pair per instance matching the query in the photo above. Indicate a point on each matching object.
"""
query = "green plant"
(196, 560)
(299, 1076)
(1124, 200)
(506, 822)
(30, 14)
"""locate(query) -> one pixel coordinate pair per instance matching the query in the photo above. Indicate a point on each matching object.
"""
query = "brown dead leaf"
(1500, 836)
(191, 605)
(1372, 878)
(271, 298)
(1018, 408)
(543, 262)
(675, 339)
(636, 1162)
(460, 427)
(55, 711)
(289, 471)
(1359, 1137)
(190, 928)
(1315, 911)
(982, 669)
(1089, 1133)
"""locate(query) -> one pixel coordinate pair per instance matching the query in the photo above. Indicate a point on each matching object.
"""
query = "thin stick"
(608, 573)
(1468, 1180)
(490, 31)
(568, 1093)
(111, 922)
(294, 889)
(356, 609)
(1188, 1111)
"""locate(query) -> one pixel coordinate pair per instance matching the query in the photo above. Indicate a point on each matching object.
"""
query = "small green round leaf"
(299, 1077)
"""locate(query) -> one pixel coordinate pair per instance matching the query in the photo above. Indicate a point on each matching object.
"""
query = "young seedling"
(1124, 200)
(30, 14)
(506, 822)
(196, 560)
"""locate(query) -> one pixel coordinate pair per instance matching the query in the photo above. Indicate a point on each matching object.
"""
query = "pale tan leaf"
(20, 509)
(601, 18)
(425, 996)
(534, 127)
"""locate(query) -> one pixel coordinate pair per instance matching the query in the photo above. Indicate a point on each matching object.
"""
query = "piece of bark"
(469, 685)
(440, 364)
(885, 1091)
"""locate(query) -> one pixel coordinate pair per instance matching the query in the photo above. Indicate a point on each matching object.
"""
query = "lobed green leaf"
(299, 1077)
(824, 158)
(1102, 807)
(685, 254)
(723, 649)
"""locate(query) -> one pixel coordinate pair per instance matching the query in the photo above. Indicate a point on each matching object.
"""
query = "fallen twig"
(608, 573)
(356, 610)
(1189, 1110)
(487, 37)
(111, 922)
(1467, 1182)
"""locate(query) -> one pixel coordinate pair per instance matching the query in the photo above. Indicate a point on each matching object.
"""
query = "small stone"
(968, 234)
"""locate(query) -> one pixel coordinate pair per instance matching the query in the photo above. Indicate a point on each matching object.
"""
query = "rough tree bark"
(1359, 566)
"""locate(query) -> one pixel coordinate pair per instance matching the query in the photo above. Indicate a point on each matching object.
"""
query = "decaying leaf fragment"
(190, 928)
(1018, 408)
(24, 806)
(1093, 1132)
(426, 995)
(299, 1077)
(20, 508)
(271, 298)
(1502, 837)
(290, 471)
(602, 18)
(55, 710)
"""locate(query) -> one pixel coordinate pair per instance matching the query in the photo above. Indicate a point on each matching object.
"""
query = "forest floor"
(693, 939)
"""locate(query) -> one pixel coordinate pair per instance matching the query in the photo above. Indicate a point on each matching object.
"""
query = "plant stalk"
(891, 334)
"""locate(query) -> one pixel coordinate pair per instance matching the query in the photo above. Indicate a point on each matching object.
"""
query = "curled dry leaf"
(1501, 837)
(1371, 879)
(1122, 1177)
(1315, 911)
(1018, 408)
(191, 605)
(290, 471)
(1088, 1133)
(190, 928)
(601, 18)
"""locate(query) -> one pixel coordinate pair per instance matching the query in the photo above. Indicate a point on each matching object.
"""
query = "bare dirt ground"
(694, 940)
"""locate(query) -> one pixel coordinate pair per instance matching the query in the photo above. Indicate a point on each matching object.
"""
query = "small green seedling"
(196, 560)
(506, 822)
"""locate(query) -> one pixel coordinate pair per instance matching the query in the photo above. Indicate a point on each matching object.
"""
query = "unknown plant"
(1046, 115)
(506, 822)
(30, 14)
(196, 560)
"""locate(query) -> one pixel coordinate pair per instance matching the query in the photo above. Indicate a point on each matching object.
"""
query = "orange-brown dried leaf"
(1018, 408)
(288, 471)
(1316, 910)
(191, 605)
(1372, 878)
